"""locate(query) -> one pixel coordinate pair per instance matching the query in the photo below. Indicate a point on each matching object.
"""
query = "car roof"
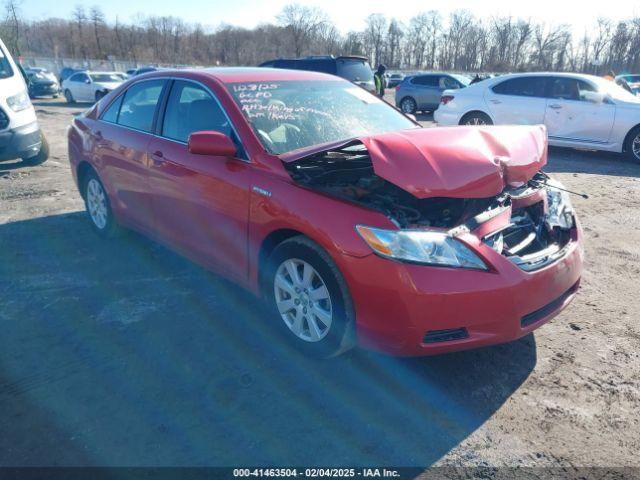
(547, 74)
(250, 74)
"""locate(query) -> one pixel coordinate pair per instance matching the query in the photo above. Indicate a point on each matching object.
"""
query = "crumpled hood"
(460, 162)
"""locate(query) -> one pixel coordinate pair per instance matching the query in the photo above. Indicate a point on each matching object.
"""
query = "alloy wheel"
(408, 105)
(303, 300)
(476, 121)
(97, 204)
(635, 146)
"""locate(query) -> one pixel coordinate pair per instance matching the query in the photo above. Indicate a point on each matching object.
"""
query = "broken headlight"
(560, 213)
(420, 246)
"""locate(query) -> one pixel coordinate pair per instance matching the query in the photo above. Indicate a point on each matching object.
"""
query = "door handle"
(157, 158)
(555, 106)
(496, 101)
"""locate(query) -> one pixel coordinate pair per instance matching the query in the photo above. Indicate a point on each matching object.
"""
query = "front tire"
(69, 96)
(99, 95)
(408, 105)
(632, 145)
(98, 207)
(476, 118)
(309, 298)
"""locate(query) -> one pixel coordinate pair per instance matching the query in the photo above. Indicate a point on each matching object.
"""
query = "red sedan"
(351, 221)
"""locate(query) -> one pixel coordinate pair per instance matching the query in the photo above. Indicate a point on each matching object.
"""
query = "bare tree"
(97, 20)
(374, 36)
(14, 22)
(80, 18)
(303, 23)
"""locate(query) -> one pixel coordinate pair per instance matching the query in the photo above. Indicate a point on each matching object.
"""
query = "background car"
(90, 86)
(141, 70)
(579, 111)
(633, 80)
(66, 72)
(394, 79)
(353, 68)
(41, 83)
(422, 92)
(20, 135)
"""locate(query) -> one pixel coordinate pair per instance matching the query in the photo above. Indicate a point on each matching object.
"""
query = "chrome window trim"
(173, 78)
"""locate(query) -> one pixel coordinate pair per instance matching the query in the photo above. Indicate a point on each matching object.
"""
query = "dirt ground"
(122, 353)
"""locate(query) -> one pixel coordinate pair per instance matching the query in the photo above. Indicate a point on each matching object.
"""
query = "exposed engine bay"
(348, 173)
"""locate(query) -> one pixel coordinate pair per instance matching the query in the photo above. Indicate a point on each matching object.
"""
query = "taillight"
(397, 88)
(446, 99)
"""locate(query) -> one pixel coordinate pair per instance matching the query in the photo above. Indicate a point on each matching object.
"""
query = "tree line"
(459, 42)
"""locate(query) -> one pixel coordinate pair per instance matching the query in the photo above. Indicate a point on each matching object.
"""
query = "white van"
(20, 135)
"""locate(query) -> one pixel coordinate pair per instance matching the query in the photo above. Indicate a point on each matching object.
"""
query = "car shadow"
(7, 166)
(568, 160)
(139, 357)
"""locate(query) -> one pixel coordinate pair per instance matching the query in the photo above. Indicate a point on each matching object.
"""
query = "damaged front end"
(529, 221)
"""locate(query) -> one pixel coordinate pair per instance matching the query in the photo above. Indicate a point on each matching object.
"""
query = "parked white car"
(90, 86)
(20, 135)
(579, 111)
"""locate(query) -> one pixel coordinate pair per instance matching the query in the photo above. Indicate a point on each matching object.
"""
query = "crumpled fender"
(460, 162)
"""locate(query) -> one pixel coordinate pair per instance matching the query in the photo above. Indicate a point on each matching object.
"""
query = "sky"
(346, 14)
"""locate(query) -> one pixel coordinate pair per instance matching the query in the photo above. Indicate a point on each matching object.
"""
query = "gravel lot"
(123, 353)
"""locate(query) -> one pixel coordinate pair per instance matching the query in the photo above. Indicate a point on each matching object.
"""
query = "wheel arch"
(268, 245)
(628, 135)
(82, 170)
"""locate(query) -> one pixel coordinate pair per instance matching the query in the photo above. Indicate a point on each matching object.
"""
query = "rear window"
(354, 70)
(5, 67)
(522, 87)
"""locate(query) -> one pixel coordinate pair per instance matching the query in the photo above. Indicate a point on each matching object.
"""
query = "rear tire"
(68, 96)
(408, 105)
(476, 118)
(309, 298)
(98, 206)
(632, 145)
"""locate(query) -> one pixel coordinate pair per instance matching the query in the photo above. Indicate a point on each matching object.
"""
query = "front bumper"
(42, 89)
(20, 142)
(398, 304)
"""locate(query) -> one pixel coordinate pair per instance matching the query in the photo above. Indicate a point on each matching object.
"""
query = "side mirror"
(87, 81)
(211, 143)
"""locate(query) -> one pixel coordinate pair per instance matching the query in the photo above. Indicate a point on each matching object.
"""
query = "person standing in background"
(380, 81)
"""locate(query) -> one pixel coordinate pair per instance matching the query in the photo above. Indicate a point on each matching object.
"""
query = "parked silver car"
(422, 92)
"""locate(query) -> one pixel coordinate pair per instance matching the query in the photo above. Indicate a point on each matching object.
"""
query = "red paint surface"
(214, 210)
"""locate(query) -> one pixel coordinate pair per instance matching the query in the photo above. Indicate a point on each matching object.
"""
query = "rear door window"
(139, 105)
(522, 87)
(447, 82)
(79, 78)
(191, 108)
(426, 80)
